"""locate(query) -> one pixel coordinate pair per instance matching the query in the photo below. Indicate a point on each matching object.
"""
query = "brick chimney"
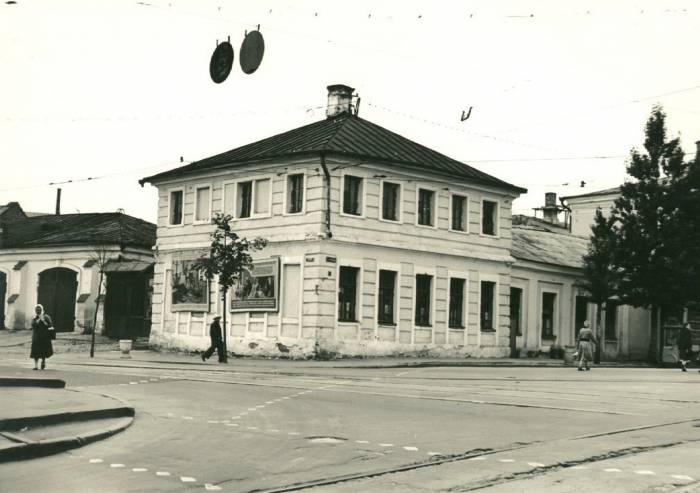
(550, 209)
(339, 100)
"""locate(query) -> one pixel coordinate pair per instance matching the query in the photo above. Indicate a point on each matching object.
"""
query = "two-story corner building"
(377, 245)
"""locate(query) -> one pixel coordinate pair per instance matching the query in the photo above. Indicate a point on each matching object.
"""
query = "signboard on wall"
(189, 287)
(257, 290)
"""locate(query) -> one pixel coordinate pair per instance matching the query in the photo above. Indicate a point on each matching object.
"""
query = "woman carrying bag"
(42, 333)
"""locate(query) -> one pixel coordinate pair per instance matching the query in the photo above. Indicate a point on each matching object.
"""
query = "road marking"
(645, 472)
(187, 417)
(116, 466)
(139, 469)
(478, 458)
(506, 460)
(211, 487)
(162, 473)
(212, 421)
(535, 464)
(96, 461)
(273, 431)
(432, 454)
(285, 397)
(386, 444)
(232, 424)
(579, 468)
(133, 383)
(361, 441)
(682, 477)
(251, 409)
(293, 433)
(612, 469)
(187, 479)
(235, 417)
(411, 449)
(153, 379)
(253, 428)
(269, 402)
(143, 381)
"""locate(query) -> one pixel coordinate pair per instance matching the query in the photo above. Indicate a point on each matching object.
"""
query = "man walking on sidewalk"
(217, 342)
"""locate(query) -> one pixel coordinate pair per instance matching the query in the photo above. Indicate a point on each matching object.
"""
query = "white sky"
(113, 88)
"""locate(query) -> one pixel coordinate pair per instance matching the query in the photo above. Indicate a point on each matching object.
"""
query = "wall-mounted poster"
(190, 288)
(257, 290)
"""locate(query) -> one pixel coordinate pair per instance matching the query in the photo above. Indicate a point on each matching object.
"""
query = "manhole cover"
(327, 440)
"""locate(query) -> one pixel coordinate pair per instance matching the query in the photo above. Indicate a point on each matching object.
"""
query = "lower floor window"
(548, 303)
(456, 318)
(487, 309)
(423, 294)
(347, 294)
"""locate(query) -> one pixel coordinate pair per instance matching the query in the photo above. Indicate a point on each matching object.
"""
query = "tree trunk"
(598, 311)
(94, 320)
(225, 327)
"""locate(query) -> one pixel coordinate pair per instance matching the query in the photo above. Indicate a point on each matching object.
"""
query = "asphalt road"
(385, 430)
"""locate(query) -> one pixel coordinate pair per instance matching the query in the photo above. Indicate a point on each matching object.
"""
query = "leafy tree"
(228, 256)
(600, 277)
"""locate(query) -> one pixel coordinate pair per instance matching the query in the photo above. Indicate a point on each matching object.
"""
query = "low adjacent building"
(51, 260)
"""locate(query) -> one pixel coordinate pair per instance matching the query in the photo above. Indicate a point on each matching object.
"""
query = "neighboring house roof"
(539, 245)
(607, 191)
(343, 135)
(536, 222)
(79, 229)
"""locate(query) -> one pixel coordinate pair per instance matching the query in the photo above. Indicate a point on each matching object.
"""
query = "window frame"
(397, 276)
(465, 299)
(399, 205)
(287, 192)
(466, 213)
(519, 333)
(494, 304)
(358, 292)
(436, 198)
(616, 305)
(362, 195)
(497, 218)
(555, 314)
(170, 204)
(431, 312)
(235, 183)
(198, 187)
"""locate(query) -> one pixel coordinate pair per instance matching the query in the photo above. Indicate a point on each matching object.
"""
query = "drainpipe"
(327, 177)
(561, 200)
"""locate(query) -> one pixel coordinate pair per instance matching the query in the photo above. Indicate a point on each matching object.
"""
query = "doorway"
(128, 304)
(57, 290)
(3, 293)
(516, 301)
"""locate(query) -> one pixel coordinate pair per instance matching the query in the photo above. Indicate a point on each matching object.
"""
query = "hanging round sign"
(221, 62)
(252, 50)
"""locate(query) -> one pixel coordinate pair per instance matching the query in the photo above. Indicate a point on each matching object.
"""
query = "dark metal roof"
(79, 229)
(126, 266)
(536, 244)
(343, 135)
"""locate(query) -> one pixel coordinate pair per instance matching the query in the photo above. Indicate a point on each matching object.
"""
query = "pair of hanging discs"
(250, 56)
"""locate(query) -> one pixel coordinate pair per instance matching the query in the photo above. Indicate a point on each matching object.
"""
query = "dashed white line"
(139, 469)
(96, 461)
(386, 444)
(116, 466)
(682, 477)
(645, 472)
(269, 402)
(253, 428)
(212, 421)
(187, 479)
(187, 417)
(612, 469)
(162, 473)
(579, 468)
(477, 458)
(293, 433)
(432, 454)
(133, 383)
(411, 449)
(232, 424)
(211, 487)
(361, 441)
(273, 430)
(143, 381)
(506, 460)
(535, 464)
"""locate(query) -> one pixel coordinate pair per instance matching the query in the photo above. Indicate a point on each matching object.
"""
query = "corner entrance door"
(3, 293)
(57, 290)
(516, 299)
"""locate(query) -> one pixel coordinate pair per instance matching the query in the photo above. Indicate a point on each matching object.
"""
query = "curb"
(35, 449)
(14, 424)
(53, 383)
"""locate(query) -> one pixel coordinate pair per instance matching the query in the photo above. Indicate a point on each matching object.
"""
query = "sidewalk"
(28, 430)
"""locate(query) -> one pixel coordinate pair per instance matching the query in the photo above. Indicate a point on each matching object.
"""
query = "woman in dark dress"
(42, 328)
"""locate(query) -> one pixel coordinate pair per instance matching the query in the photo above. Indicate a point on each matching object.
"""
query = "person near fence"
(586, 346)
(42, 333)
(685, 346)
(217, 342)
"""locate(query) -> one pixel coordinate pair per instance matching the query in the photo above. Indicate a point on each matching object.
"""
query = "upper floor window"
(423, 295)
(548, 305)
(391, 201)
(459, 213)
(489, 217)
(176, 200)
(456, 315)
(253, 198)
(426, 207)
(347, 294)
(488, 297)
(352, 195)
(202, 200)
(387, 291)
(295, 193)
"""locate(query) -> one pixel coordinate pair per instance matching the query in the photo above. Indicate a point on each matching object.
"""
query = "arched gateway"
(57, 290)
